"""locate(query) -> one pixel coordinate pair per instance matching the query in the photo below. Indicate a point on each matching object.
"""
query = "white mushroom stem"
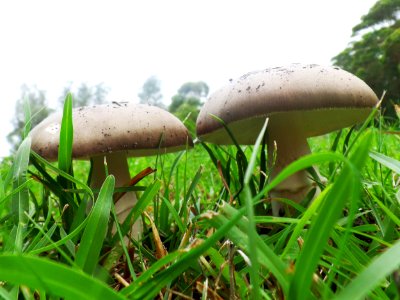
(117, 165)
(289, 147)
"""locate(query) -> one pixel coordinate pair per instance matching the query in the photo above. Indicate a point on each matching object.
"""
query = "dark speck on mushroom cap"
(283, 92)
(133, 128)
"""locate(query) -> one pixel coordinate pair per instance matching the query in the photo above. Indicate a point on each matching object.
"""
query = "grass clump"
(208, 229)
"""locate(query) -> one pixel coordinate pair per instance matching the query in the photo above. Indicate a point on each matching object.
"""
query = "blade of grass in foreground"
(251, 230)
(20, 200)
(66, 137)
(92, 240)
(38, 159)
(347, 183)
(367, 280)
(54, 278)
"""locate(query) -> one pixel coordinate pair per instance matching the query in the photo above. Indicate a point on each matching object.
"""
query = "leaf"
(66, 137)
(54, 278)
(92, 240)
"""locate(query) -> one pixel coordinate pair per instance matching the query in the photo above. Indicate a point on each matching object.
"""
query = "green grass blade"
(144, 201)
(305, 220)
(322, 224)
(66, 137)
(4, 294)
(238, 234)
(21, 199)
(92, 240)
(386, 161)
(193, 184)
(62, 241)
(54, 278)
(174, 214)
(16, 190)
(368, 279)
(57, 171)
(252, 233)
(28, 117)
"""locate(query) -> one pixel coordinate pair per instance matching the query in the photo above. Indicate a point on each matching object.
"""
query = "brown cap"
(311, 99)
(132, 128)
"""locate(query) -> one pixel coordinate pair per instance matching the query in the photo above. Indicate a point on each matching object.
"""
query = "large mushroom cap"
(311, 99)
(134, 129)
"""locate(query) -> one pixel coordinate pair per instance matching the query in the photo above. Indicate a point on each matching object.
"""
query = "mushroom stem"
(117, 165)
(288, 149)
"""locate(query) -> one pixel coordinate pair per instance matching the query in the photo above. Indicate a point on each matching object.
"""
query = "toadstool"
(300, 101)
(114, 131)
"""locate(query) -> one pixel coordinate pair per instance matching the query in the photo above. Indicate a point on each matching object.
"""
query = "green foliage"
(151, 92)
(375, 55)
(207, 225)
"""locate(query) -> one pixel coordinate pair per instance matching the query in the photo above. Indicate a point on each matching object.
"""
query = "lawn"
(208, 228)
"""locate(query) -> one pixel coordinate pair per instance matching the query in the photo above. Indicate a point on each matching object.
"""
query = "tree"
(38, 109)
(151, 92)
(186, 103)
(86, 95)
(375, 55)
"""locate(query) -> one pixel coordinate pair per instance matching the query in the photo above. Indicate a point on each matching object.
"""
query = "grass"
(204, 234)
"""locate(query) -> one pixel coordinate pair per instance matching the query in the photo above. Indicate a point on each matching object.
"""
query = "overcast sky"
(122, 43)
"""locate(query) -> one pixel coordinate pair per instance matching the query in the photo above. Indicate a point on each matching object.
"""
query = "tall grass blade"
(66, 137)
(20, 200)
(347, 184)
(375, 273)
(252, 233)
(92, 240)
(54, 278)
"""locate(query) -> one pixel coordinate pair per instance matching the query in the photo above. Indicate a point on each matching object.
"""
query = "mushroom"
(114, 131)
(300, 101)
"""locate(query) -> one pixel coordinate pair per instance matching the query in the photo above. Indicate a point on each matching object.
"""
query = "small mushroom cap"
(134, 129)
(307, 99)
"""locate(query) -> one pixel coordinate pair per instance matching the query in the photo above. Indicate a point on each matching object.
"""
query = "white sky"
(122, 43)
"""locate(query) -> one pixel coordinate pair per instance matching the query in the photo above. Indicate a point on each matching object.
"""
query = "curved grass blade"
(62, 241)
(348, 182)
(54, 278)
(238, 234)
(92, 240)
(20, 200)
(39, 159)
(370, 278)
